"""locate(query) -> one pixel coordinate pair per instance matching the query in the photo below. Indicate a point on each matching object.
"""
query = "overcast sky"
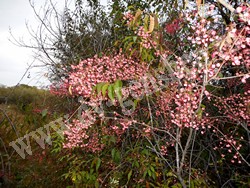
(15, 60)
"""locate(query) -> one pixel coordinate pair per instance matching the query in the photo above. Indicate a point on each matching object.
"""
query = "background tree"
(64, 38)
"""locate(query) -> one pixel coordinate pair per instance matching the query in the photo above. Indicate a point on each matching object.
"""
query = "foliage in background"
(24, 109)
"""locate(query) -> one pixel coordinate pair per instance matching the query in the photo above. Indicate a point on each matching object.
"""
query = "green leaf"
(134, 38)
(118, 84)
(149, 172)
(203, 106)
(145, 152)
(220, 75)
(91, 171)
(117, 157)
(117, 89)
(135, 103)
(199, 113)
(112, 139)
(44, 112)
(137, 164)
(129, 175)
(132, 52)
(176, 186)
(129, 46)
(99, 87)
(104, 89)
(152, 168)
(93, 91)
(153, 175)
(98, 163)
(126, 38)
(113, 153)
(78, 177)
(111, 92)
(192, 184)
(170, 174)
(131, 7)
(73, 177)
(119, 95)
(96, 184)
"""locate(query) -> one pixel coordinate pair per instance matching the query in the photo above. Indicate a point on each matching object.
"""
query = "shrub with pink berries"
(184, 101)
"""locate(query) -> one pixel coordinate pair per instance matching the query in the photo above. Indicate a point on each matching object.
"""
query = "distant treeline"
(23, 95)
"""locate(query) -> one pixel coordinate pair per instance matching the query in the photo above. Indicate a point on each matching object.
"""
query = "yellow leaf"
(137, 15)
(156, 21)
(146, 23)
(228, 40)
(151, 24)
(198, 3)
(70, 90)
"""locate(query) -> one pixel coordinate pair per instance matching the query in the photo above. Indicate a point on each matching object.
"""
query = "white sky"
(15, 60)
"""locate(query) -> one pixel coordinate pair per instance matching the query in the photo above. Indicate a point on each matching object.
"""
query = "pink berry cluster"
(145, 36)
(182, 104)
(118, 127)
(95, 70)
(148, 84)
(182, 108)
(236, 53)
(235, 47)
(60, 89)
(244, 14)
(236, 107)
(78, 135)
(230, 146)
(203, 34)
(128, 17)
(83, 133)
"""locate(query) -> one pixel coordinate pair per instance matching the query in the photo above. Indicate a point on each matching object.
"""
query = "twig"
(12, 125)
(228, 6)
